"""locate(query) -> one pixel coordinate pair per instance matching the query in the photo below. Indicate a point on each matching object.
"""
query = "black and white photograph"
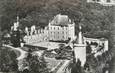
(57, 36)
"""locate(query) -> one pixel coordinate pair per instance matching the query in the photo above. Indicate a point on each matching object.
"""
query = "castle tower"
(80, 49)
(15, 25)
(17, 21)
(15, 34)
(80, 37)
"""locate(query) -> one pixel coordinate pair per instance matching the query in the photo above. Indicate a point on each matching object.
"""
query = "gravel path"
(23, 53)
(62, 68)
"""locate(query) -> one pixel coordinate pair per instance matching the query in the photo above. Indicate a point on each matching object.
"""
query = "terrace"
(48, 45)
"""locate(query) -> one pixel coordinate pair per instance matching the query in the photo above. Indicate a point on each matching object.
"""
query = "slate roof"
(62, 20)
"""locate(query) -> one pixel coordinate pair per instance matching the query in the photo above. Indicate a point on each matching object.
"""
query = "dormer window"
(98, 0)
(108, 1)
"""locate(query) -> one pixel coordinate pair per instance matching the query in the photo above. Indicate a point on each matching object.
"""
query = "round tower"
(80, 49)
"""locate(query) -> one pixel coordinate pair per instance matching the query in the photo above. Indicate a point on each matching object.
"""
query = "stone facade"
(61, 28)
(98, 47)
(101, 42)
(80, 53)
(80, 48)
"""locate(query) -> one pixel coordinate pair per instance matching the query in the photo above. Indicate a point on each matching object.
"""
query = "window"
(66, 33)
(93, 0)
(58, 33)
(50, 27)
(98, 0)
(108, 0)
(51, 33)
(58, 28)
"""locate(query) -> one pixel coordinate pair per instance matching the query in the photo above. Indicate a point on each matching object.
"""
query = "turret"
(17, 21)
(80, 37)
(80, 49)
(15, 25)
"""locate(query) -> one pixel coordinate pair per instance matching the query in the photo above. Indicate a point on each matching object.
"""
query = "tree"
(112, 37)
(8, 61)
(15, 38)
(94, 17)
(0, 38)
(8, 13)
(75, 67)
(37, 65)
